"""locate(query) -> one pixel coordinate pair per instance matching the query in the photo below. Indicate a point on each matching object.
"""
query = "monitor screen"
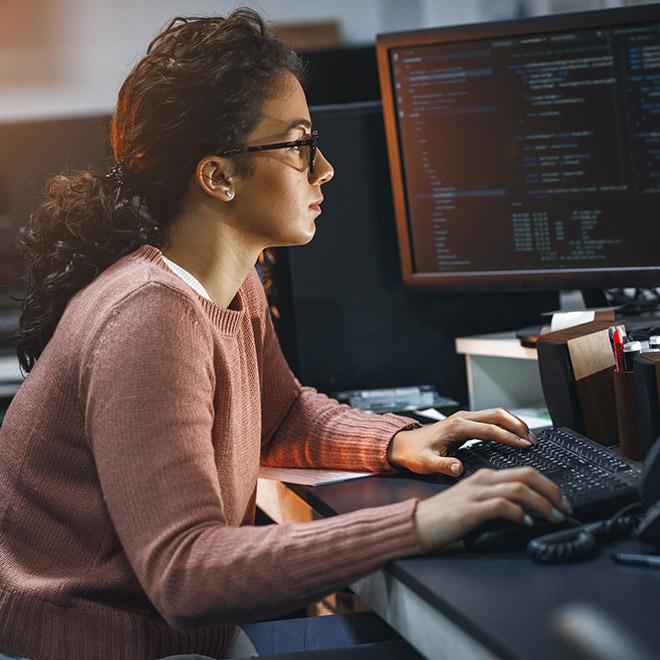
(526, 154)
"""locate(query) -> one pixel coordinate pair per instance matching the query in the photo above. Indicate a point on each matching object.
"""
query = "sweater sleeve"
(304, 428)
(147, 392)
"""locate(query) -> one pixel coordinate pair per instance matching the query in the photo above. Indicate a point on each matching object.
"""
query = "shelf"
(10, 371)
(496, 344)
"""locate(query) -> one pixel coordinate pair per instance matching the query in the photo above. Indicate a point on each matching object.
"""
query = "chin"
(305, 235)
(299, 233)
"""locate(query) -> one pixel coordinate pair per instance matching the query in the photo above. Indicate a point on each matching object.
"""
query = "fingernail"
(532, 438)
(557, 515)
(455, 468)
(566, 505)
(525, 443)
(528, 520)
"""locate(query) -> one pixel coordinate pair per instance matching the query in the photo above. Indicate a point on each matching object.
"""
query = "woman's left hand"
(425, 450)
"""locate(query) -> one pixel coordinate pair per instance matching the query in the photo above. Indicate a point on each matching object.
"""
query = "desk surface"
(505, 600)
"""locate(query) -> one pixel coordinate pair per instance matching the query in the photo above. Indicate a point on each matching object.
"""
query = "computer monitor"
(341, 75)
(526, 154)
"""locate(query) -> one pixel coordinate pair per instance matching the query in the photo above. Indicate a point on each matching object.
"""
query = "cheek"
(276, 206)
(290, 196)
(279, 186)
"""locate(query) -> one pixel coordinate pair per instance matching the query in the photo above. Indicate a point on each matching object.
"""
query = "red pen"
(617, 342)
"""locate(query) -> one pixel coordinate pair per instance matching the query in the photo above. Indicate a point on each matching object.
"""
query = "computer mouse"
(500, 534)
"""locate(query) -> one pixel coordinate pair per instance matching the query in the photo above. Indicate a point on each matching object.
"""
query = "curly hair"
(198, 90)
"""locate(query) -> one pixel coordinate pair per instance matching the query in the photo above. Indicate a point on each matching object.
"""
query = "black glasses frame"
(311, 142)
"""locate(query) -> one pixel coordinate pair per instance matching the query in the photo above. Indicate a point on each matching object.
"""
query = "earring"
(230, 194)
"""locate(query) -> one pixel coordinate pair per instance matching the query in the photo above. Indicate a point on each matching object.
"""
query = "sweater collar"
(226, 319)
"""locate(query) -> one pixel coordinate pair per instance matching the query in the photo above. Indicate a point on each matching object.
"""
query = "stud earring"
(230, 194)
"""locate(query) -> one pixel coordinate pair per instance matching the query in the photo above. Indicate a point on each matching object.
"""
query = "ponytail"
(197, 91)
(88, 221)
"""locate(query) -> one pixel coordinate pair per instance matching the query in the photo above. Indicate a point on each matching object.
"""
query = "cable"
(581, 542)
(642, 299)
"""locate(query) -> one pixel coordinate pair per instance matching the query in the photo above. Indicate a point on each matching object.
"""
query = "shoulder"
(154, 330)
(157, 304)
(131, 282)
(135, 301)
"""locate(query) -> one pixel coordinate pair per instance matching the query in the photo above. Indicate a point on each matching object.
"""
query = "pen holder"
(575, 365)
(626, 414)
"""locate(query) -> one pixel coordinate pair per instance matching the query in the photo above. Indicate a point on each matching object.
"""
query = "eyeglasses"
(309, 145)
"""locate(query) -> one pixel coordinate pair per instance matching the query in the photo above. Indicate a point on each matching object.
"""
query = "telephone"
(582, 542)
(649, 528)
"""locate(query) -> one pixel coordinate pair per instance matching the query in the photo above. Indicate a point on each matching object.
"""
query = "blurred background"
(69, 57)
(62, 64)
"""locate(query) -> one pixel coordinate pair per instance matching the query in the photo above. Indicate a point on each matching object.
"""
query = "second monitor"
(526, 154)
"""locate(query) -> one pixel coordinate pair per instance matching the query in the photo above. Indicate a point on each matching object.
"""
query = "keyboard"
(594, 478)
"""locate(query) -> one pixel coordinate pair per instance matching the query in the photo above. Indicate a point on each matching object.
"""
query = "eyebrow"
(305, 123)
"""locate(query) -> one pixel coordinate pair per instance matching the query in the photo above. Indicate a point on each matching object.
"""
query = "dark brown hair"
(198, 90)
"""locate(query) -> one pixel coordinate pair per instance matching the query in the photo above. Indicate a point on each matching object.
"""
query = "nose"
(323, 171)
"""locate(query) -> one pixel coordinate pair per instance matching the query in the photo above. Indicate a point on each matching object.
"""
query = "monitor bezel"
(501, 280)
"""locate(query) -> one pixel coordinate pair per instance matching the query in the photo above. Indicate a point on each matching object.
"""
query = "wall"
(69, 57)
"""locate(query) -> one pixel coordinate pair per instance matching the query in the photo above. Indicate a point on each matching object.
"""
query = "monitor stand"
(594, 298)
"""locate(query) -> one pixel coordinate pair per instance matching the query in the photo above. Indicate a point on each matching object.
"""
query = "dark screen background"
(532, 153)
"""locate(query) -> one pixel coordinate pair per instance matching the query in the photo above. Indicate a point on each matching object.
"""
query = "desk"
(476, 607)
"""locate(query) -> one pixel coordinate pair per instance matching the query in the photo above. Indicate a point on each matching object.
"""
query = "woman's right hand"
(450, 515)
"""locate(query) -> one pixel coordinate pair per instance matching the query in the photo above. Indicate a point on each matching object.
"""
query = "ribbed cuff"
(360, 542)
(406, 424)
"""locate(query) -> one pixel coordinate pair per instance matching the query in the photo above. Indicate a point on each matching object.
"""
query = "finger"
(501, 507)
(471, 429)
(506, 420)
(443, 465)
(535, 480)
(525, 496)
(531, 436)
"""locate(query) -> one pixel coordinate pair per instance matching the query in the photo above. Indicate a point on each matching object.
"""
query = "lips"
(316, 206)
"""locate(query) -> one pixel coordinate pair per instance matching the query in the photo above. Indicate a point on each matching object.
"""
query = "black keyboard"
(594, 478)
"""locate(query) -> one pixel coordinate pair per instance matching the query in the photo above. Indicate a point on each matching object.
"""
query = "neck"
(219, 260)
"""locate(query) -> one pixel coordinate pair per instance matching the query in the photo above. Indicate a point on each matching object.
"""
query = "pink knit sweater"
(129, 469)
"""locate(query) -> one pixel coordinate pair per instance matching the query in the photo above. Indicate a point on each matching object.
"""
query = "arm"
(303, 428)
(319, 432)
(148, 397)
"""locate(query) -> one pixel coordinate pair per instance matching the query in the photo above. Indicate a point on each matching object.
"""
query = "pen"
(622, 332)
(631, 559)
(610, 332)
(617, 345)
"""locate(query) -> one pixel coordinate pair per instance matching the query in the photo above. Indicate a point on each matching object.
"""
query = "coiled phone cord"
(581, 542)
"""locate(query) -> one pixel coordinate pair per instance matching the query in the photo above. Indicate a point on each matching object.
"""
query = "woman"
(156, 384)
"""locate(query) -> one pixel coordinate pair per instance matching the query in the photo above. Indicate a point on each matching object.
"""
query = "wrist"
(394, 451)
(422, 526)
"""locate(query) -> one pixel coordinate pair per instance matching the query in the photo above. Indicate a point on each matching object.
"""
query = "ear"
(212, 175)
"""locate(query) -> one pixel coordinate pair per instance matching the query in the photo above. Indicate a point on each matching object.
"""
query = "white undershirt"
(189, 279)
